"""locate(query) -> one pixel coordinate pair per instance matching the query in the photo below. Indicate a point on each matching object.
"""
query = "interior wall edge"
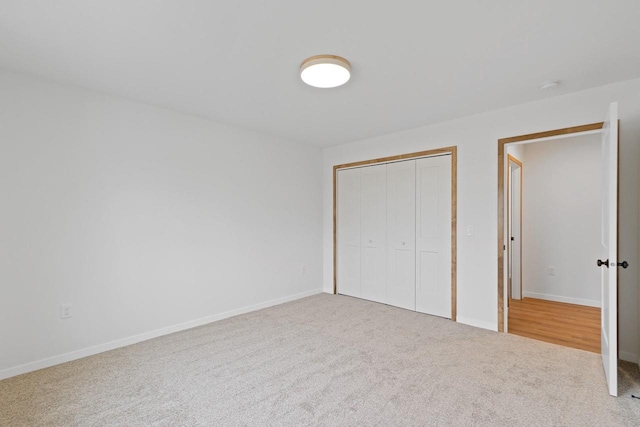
(560, 298)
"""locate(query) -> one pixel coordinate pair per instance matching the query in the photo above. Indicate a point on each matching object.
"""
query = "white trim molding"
(112, 345)
(559, 298)
(477, 323)
(629, 357)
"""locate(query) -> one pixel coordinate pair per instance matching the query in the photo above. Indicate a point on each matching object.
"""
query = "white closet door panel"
(348, 232)
(373, 232)
(433, 236)
(401, 232)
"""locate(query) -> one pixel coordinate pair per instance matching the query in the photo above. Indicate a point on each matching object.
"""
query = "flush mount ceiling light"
(325, 71)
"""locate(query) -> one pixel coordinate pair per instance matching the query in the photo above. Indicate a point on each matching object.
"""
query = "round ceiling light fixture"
(325, 71)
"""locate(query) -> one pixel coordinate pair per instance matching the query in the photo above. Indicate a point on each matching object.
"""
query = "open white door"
(609, 253)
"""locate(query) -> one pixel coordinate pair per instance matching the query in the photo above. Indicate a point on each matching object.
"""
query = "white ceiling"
(414, 62)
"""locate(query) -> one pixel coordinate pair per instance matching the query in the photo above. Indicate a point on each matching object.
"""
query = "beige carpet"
(326, 360)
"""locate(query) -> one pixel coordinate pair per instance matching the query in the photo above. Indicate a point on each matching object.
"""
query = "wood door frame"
(453, 151)
(502, 170)
(513, 159)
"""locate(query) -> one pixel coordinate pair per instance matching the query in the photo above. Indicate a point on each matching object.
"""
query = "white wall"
(516, 150)
(143, 219)
(476, 138)
(562, 219)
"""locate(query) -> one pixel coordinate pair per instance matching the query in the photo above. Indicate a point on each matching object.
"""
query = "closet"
(393, 233)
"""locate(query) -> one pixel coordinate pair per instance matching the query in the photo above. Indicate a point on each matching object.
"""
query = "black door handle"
(623, 264)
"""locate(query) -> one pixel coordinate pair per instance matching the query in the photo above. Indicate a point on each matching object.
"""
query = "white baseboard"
(558, 298)
(100, 348)
(629, 357)
(477, 323)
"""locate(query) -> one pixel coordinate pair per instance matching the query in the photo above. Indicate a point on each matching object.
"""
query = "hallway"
(569, 325)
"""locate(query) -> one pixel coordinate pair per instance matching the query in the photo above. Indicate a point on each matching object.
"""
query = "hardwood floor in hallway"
(571, 325)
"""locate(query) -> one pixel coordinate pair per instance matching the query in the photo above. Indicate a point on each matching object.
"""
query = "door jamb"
(453, 150)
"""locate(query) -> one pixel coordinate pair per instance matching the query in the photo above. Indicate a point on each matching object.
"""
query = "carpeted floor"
(326, 360)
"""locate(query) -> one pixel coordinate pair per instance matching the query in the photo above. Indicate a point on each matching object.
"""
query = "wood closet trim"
(502, 170)
(453, 151)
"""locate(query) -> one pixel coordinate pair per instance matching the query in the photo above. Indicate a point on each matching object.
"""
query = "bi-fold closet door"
(394, 234)
(401, 232)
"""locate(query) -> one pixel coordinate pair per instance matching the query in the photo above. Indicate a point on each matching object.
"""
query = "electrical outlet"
(470, 231)
(551, 271)
(65, 311)
(303, 269)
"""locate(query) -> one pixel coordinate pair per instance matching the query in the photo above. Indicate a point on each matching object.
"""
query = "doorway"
(553, 282)
(503, 293)
(607, 259)
(552, 218)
